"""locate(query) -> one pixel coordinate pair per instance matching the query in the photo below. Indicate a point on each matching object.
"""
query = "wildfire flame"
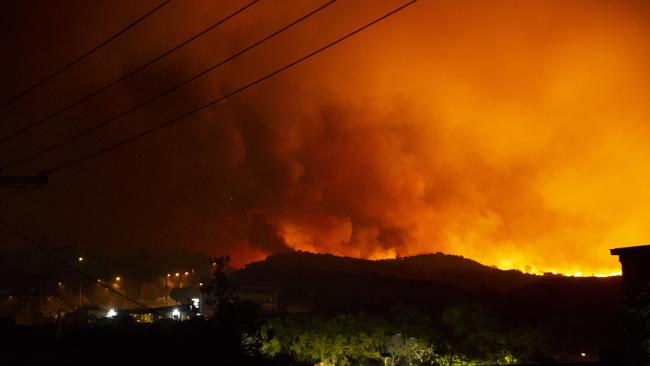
(512, 133)
(515, 135)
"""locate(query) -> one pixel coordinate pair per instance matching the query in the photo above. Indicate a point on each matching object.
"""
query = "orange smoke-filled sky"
(513, 132)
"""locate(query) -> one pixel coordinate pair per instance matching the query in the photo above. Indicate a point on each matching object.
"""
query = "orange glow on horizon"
(515, 136)
(511, 133)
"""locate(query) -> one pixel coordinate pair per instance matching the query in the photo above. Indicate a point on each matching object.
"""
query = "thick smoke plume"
(512, 133)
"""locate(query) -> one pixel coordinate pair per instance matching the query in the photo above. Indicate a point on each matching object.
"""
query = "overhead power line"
(230, 94)
(83, 274)
(126, 76)
(25, 188)
(166, 91)
(83, 56)
(27, 241)
(22, 182)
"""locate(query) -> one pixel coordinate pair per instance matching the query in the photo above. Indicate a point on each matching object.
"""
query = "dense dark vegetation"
(424, 310)
(576, 315)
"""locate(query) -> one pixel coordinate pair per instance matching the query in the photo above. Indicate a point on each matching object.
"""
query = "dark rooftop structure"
(635, 262)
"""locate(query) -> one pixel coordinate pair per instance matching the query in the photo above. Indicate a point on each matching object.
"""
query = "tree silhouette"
(220, 291)
(237, 322)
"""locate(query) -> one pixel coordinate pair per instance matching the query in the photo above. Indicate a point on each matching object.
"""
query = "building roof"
(635, 250)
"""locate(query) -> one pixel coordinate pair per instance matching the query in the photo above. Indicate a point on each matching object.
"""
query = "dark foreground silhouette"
(122, 342)
(347, 312)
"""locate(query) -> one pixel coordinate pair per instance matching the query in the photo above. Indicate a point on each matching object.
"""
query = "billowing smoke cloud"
(512, 133)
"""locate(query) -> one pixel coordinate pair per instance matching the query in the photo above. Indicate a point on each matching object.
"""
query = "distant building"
(636, 301)
(265, 297)
(151, 315)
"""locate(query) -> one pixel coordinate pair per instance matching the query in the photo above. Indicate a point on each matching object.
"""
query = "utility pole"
(21, 182)
(166, 289)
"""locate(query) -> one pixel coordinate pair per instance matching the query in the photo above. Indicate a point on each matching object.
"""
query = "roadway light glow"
(111, 313)
(177, 274)
(118, 278)
(176, 314)
(80, 259)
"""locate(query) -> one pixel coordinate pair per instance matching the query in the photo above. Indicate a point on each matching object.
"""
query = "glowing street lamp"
(118, 278)
(167, 288)
(80, 259)
(176, 314)
(111, 313)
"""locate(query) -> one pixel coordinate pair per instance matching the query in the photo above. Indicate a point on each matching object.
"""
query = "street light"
(167, 288)
(176, 314)
(117, 285)
(80, 259)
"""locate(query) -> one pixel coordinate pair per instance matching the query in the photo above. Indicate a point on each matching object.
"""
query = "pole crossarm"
(24, 179)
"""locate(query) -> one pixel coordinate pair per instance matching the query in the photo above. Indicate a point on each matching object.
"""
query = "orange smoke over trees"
(511, 133)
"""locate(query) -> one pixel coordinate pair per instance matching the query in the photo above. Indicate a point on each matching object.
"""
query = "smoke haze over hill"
(507, 132)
